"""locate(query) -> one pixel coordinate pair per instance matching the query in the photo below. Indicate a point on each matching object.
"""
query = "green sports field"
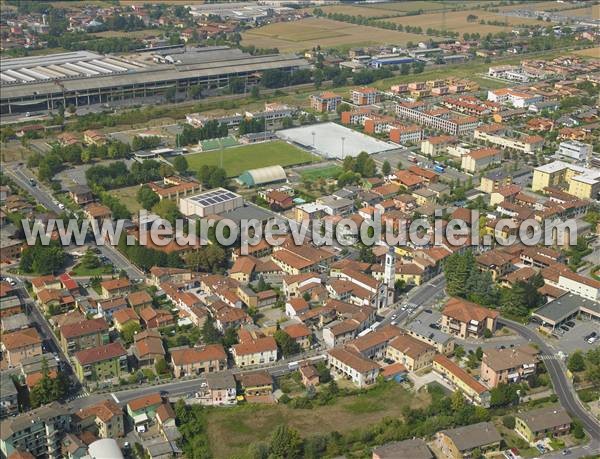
(239, 159)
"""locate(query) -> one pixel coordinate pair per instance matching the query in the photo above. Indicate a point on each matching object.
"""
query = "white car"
(61, 206)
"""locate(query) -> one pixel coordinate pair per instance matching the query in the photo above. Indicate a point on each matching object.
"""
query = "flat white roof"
(328, 140)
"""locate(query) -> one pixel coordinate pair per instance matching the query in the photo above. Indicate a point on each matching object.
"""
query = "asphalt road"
(562, 386)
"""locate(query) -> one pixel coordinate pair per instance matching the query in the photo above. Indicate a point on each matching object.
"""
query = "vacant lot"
(306, 33)
(127, 196)
(537, 6)
(592, 11)
(239, 159)
(231, 430)
(133, 34)
(457, 21)
(425, 5)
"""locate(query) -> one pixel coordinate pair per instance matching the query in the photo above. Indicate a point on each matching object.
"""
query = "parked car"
(570, 323)
(565, 328)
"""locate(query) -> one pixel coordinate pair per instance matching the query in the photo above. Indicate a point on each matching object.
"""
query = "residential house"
(411, 352)
(98, 212)
(296, 306)
(220, 389)
(83, 335)
(325, 102)
(156, 318)
(114, 287)
(257, 386)
(93, 137)
(472, 389)
(466, 319)
(510, 365)
(462, 442)
(81, 194)
(549, 421)
(148, 348)
(189, 361)
(124, 318)
(143, 409)
(414, 448)
(104, 418)
(9, 403)
(21, 344)
(477, 160)
(253, 349)
(138, 300)
(110, 306)
(351, 365)
(300, 333)
(309, 375)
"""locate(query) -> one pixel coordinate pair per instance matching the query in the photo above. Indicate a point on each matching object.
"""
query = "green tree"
(180, 164)
(210, 334)
(386, 168)
(287, 345)
(161, 366)
(285, 443)
(146, 197)
(509, 422)
(459, 352)
(576, 362)
(90, 260)
(167, 209)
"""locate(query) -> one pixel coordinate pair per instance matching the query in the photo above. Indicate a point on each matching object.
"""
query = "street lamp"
(343, 138)
(313, 136)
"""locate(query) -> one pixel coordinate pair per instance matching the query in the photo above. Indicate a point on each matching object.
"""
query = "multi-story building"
(466, 319)
(414, 354)
(519, 99)
(508, 365)
(549, 421)
(353, 366)
(325, 102)
(254, 350)
(477, 160)
(21, 344)
(102, 363)
(9, 403)
(366, 96)
(220, 389)
(573, 149)
(529, 144)
(38, 431)
(406, 134)
(462, 442)
(195, 360)
(83, 335)
(581, 182)
(472, 389)
(434, 146)
(437, 119)
(104, 418)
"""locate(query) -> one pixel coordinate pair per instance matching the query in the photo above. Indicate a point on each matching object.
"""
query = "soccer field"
(239, 159)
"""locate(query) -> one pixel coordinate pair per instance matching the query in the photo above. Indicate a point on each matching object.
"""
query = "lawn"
(231, 430)
(214, 144)
(79, 270)
(127, 196)
(239, 159)
(321, 172)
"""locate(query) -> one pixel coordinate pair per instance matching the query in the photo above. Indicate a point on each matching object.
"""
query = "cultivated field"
(306, 33)
(537, 6)
(231, 430)
(239, 159)
(425, 5)
(590, 52)
(133, 34)
(592, 11)
(457, 21)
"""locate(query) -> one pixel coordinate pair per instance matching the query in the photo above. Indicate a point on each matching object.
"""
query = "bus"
(439, 168)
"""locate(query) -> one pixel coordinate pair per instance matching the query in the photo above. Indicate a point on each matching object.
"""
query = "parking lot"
(573, 339)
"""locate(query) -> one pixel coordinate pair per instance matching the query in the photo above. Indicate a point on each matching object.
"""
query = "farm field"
(239, 159)
(306, 33)
(590, 52)
(132, 34)
(231, 430)
(127, 196)
(537, 6)
(592, 11)
(457, 21)
(425, 5)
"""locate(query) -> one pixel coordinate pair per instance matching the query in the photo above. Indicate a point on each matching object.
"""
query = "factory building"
(84, 78)
(211, 202)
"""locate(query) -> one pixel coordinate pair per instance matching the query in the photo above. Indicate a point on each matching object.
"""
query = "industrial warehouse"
(85, 78)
